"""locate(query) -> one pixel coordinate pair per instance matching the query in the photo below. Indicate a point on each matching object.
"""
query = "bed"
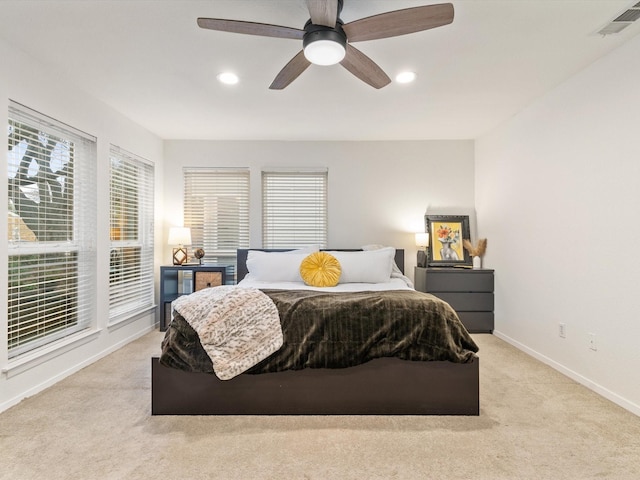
(403, 384)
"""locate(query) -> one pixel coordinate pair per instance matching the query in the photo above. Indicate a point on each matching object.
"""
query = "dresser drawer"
(467, 301)
(468, 291)
(459, 281)
(477, 322)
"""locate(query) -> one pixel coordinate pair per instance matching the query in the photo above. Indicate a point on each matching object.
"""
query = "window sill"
(30, 360)
(128, 318)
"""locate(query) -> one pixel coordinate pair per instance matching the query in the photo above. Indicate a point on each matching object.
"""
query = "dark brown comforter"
(337, 330)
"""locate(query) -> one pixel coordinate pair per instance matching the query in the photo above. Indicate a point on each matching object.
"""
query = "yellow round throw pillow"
(320, 269)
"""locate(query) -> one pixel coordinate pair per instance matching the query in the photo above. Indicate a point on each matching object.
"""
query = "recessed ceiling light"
(406, 77)
(227, 78)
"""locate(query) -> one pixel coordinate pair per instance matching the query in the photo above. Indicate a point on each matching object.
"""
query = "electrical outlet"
(592, 341)
(562, 330)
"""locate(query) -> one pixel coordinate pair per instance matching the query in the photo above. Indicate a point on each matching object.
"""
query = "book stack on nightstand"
(468, 291)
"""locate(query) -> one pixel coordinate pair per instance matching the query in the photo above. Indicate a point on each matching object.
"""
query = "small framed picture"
(446, 233)
(207, 279)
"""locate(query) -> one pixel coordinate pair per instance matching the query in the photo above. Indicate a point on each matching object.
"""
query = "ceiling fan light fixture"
(324, 52)
(325, 35)
(324, 47)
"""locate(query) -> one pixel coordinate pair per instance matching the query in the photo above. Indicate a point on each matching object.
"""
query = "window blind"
(51, 244)
(216, 208)
(131, 192)
(294, 209)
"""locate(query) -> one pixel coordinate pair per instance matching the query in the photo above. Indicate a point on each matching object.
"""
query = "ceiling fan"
(326, 40)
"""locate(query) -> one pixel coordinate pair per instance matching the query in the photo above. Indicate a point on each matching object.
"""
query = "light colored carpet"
(534, 424)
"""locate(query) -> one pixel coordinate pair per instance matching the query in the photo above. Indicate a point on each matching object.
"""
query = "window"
(52, 211)
(131, 234)
(216, 207)
(294, 208)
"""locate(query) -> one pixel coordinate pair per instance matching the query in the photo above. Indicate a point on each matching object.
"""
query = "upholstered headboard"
(241, 269)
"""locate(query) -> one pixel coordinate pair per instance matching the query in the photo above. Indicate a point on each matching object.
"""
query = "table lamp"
(422, 242)
(180, 236)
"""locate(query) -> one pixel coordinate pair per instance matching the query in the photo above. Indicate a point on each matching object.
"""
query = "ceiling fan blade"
(323, 12)
(250, 28)
(399, 22)
(364, 68)
(290, 72)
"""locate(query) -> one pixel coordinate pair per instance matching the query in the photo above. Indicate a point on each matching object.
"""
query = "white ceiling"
(150, 61)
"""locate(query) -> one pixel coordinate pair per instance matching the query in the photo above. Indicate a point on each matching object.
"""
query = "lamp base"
(422, 258)
(179, 255)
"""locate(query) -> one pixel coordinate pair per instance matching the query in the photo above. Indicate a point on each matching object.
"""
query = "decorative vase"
(477, 262)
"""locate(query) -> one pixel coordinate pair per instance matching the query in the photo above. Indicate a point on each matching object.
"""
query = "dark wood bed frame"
(385, 386)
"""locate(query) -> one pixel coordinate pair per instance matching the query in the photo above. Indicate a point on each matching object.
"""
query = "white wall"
(378, 191)
(558, 197)
(41, 88)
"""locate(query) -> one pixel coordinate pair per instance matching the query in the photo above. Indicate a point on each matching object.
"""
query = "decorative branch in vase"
(477, 251)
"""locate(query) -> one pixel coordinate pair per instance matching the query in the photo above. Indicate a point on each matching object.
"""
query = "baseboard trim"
(581, 379)
(70, 371)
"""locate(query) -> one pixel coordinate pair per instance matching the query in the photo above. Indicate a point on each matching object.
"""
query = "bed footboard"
(385, 386)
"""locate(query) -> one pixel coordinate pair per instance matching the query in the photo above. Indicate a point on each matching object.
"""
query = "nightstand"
(178, 280)
(468, 291)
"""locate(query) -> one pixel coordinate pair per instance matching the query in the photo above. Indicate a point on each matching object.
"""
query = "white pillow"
(395, 272)
(276, 266)
(366, 267)
(394, 266)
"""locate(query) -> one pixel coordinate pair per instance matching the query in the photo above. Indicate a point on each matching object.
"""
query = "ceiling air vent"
(623, 20)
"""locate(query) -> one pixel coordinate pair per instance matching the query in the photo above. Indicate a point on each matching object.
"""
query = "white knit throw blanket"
(238, 327)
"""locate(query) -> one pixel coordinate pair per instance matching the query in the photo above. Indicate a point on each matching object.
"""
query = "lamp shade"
(179, 236)
(422, 239)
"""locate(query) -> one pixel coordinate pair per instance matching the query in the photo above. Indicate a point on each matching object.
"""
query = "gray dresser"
(468, 291)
